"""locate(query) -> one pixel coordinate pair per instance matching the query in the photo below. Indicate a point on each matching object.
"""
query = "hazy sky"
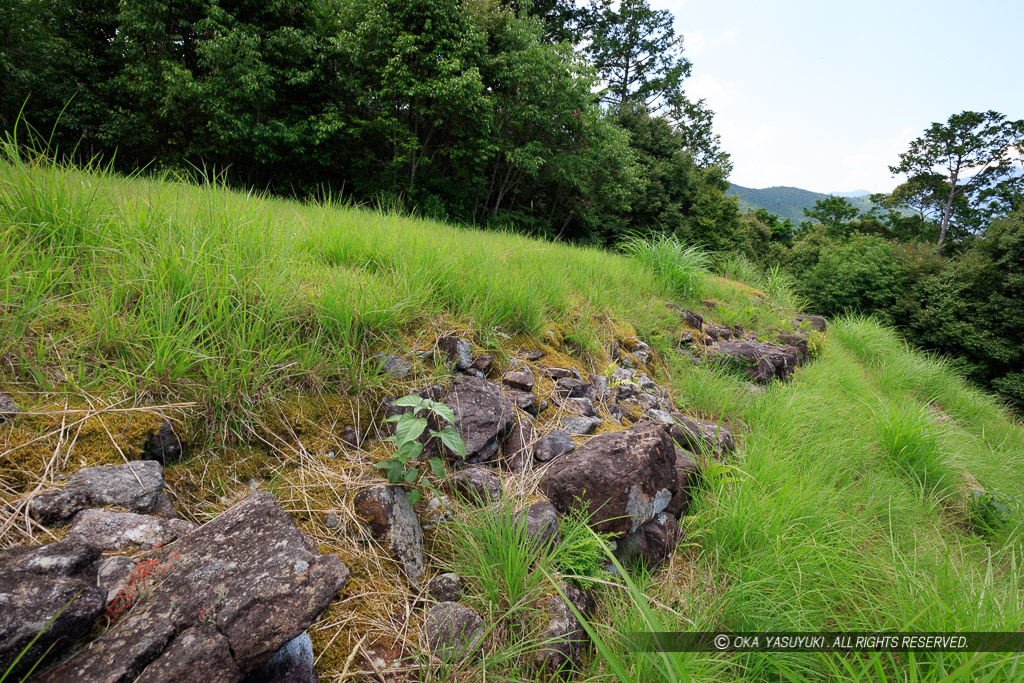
(824, 95)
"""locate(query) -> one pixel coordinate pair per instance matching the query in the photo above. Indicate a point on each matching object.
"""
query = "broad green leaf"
(437, 466)
(444, 411)
(413, 496)
(411, 474)
(395, 472)
(410, 401)
(451, 439)
(410, 429)
(411, 450)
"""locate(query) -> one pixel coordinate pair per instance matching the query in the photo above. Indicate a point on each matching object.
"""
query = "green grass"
(172, 291)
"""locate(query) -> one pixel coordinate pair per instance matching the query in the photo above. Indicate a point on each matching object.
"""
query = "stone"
(717, 333)
(112, 530)
(458, 351)
(798, 340)
(229, 595)
(350, 436)
(815, 322)
(688, 476)
(483, 417)
(580, 406)
(453, 632)
(685, 338)
(332, 521)
(563, 637)
(581, 426)
(622, 375)
(517, 449)
(438, 510)
(523, 380)
(135, 486)
(112, 574)
(615, 350)
(761, 361)
(164, 446)
(390, 364)
(164, 508)
(8, 408)
(524, 400)
(445, 587)
(557, 373)
(704, 438)
(393, 522)
(660, 416)
(652, 543)
(476, 484)
(532, 355)
(541, 524)
(293, 663)
(473, 372)
(694, 320)
(640, 351)
(483, 363)
(552, 445)
(37, 582)
(624, 478)
(627, 362)
(600, 383)
(615, 412)
(571, 387)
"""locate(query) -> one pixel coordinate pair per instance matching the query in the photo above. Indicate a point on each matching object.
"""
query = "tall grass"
(683, 266)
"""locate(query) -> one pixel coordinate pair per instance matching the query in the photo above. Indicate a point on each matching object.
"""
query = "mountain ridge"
(789, 202)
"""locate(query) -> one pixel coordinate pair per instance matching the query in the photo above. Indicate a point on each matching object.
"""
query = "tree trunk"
(948, 210)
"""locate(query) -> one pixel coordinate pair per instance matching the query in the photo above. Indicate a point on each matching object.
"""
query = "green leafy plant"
(991, 510)
(409, 427)
(582, 553)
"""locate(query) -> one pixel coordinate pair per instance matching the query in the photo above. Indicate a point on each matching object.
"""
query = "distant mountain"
(855, 193)
(789, 202)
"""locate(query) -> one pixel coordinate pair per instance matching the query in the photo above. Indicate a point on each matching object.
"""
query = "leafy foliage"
(409, 429)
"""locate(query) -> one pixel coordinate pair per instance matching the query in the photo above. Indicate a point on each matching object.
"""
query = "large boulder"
(36, 583)
(453, 632)
(393, 522)
(111, 530)
(815, 322)
(135, 486)
(483, 416)
(215, 605)
(761, 361)
(562, 637)
(624, 478)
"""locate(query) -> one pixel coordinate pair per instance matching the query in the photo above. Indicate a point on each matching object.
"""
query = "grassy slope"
(262, 312)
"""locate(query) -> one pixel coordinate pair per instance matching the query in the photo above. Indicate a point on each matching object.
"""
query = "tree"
(638, 54)
(973, 153)
(835, 213)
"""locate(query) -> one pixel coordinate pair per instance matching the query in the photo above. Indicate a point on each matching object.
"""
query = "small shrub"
(991, 511)
(409, 427)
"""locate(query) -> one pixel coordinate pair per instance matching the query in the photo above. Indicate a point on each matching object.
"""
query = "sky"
(825, 95)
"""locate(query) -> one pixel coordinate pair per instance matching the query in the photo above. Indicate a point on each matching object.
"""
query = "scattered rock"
(580, 406)
(553, 445)
(600, 383)
(615, 350)
(8, 408)
(641, 351)
(293, 663)
(688, 475)
(445, 587)
(438, 510)
(111, 530)
(332, 521)
(164, 508)
(523, 380)
(35, 584)
(393, 521)
(718, 333)
(229, 596)
(390, 364)
(652, 543)
(532, 355)
(483, 363)
(660, 416)
(702, 437)
(517, 449)
(112, 574)
(351, 436)
(164, 446)
(557, 373)
(761, 361)
(453, 632)
(692, 319)
(541, 524)
(459, 352)
(524, 400)
(685, 338)
(625, 478)
(571, 387)
(564, 636)
(798, 340)
(815, 322)
(580, 426)
(483, 416)
(135, 486)
(477, 484)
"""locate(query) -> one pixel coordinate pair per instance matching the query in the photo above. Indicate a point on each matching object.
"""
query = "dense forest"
(548, 118)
